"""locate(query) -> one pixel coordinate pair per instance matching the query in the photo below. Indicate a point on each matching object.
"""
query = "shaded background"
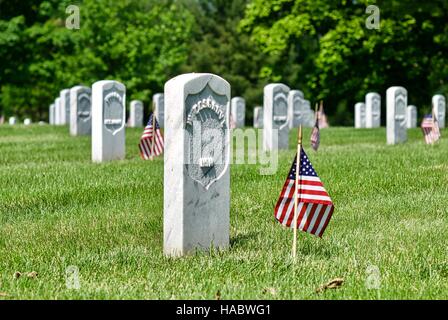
(321, 47)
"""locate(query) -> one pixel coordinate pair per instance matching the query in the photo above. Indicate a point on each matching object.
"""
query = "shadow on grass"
(241, 239)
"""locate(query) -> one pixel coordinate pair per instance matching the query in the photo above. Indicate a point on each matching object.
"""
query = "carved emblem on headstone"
(206, 125)
(400, 113)
(113, 110)
(84, 107)
(376, 112)
(280, 110)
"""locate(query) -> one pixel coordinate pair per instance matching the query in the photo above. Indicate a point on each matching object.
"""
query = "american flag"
(430, 127)
(151, 144)
(315, 207)
(322, 118)
(315, 136)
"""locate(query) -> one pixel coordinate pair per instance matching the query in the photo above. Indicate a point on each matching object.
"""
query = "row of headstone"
(238, 111)
(400, 116)
(368, 114)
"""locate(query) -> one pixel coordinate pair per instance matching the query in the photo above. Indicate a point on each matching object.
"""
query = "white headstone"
(136, 114)
(27, 121)
(65, 106)
(439, 104)
(196, 164)
(309, 118)
(12, 121)
(159, 104)
(275, 113)
(80, 111)
(296, 108)
(58, 113)
(258, 117)
(373, 110)
(52, 114)
(238, 111)
(108, 121)
(397, 102)
(411, 117)
(360, 115)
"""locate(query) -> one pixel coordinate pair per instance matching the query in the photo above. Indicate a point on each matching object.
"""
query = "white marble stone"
(296, 108)
(108, 121)
(439, 103)
(373, 110)
(159, 105)
(58, 113)
(238, 111)
(397, 102)
(136, 114)
(360, 115)
(411, 117)
(27, 121)
(196, 164)
(12, 121)
(275, 114)
(52, 114)
(258, 117)
(309, 118)
(80, 111)
(65, 107)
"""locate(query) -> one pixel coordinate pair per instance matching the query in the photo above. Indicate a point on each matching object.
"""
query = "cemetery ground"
(58, 209)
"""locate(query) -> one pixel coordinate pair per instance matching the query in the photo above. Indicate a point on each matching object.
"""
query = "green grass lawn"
(58, 209)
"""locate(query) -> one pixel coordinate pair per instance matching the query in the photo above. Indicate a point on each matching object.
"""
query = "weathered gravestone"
(80, 111)
(108, 121)
(238, 111)
(439, 104)
(296, 108)
(373, 110)
(397, 101)
(196, 164)
(275, 113)
(27, 121)
(51, 114)
(58, 112)
(12, 121)
(360, 115)
(258, 117)
(65, 106)
(159, 105)
(411, 117)
(136, 114)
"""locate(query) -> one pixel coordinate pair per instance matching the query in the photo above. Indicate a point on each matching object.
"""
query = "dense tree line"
(321, 47)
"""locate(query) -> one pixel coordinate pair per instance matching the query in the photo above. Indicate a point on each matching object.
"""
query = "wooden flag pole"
(153, 128)
(317, 113)
(433, 124)
(296, 194)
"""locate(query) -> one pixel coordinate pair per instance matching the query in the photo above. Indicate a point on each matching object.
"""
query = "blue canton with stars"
(150, 122)
(306, 168)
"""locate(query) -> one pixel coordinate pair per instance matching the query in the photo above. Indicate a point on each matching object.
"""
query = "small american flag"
(322, 118)
(315, 136)
(430, 127)
(315, 207)
(151, 143)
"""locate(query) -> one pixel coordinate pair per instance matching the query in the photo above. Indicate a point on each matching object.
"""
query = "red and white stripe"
(147, 151)
(314, 209)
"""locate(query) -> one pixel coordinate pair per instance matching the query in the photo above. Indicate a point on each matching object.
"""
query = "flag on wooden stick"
(430, 127)
(315, 134)
(151, 142)
(314, 205)
(323, 121)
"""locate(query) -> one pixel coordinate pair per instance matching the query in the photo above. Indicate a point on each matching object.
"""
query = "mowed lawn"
(58, 209)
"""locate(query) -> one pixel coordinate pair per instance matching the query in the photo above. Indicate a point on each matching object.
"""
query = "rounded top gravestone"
(397, 102)
(295, 108)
